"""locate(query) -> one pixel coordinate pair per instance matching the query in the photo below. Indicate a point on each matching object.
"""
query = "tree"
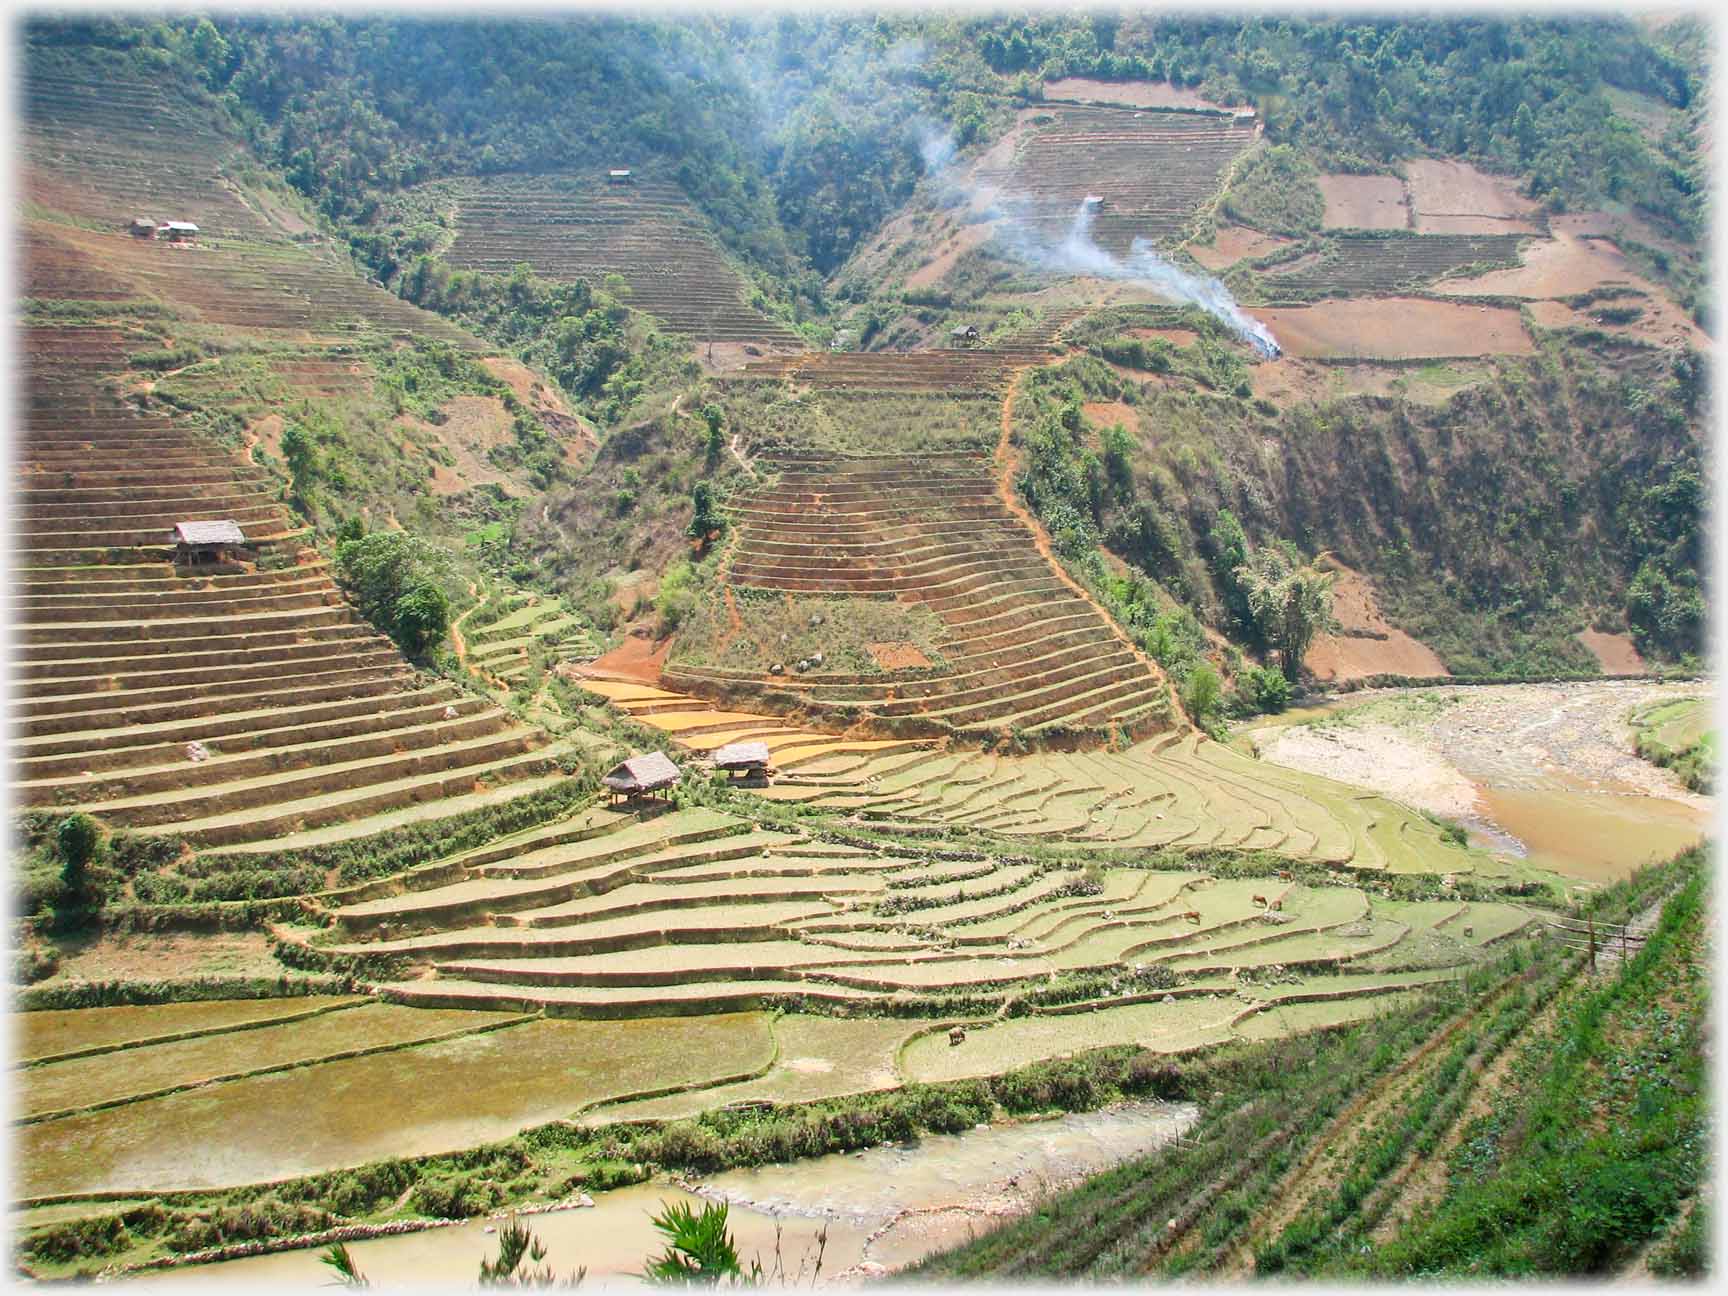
(302, 457)
(715, 417)
(395, 582)
(1291, 601)
(1201, 695)
(1119, 461)
(1230, 551)
(516, 1244)
(422, 617)
(78, 839)
(705, 523)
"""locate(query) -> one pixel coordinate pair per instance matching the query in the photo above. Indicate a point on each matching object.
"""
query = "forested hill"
(798, 136)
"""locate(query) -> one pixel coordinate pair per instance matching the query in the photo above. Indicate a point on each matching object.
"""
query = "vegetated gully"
(831, 1218)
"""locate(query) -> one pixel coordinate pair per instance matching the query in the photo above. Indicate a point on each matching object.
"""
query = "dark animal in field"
(956, 1036)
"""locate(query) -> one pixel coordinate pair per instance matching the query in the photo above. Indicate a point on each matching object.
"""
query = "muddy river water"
(1543, 771)
(832, 1219)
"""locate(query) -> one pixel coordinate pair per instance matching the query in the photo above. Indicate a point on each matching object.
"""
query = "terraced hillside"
(700, 911)
(1153, 170)
(1367, 265)
(953, 372)
(1175, 792)
(532, 631)
(1024, 651)
(99, 150)
(233, 703)
(646, 232)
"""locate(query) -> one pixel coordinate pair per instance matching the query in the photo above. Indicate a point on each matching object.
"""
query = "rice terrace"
(827, 650)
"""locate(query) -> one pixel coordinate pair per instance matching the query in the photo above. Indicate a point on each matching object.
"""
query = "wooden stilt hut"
(207, 542)
(743, 760)
(641, 776)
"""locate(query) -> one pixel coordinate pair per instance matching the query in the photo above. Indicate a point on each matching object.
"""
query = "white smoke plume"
(1078, 254)
(935, 146)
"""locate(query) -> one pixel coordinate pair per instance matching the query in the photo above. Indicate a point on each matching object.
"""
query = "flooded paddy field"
(193, 1096)
(860, 1214)
(436, 1097)
(57, 1032)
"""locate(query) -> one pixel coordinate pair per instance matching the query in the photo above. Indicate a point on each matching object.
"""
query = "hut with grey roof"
(641, 776)
(742, 759)
(201, 542)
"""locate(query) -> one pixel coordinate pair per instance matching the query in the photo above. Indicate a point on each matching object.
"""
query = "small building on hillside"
(620, 176)
(204, 542)
(641, 776)
(178, 232)
(964, 335)
(142, 227)
(1093, 203)
(742, 759)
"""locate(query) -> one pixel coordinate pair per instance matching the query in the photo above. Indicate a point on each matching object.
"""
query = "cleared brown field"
(1364, 202)
(1130, 94)
(1234, 243)
(1396, 328)
(1365, 642)
(1456, 198)
(1616, 653)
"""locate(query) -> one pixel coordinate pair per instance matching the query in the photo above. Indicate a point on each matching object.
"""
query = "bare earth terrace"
(1024, 653)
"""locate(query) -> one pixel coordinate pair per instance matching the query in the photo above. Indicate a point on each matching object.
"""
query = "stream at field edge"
(1546, 772)
(882, 1208)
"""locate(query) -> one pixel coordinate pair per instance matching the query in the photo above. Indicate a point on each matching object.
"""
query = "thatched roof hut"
(641, 775)
(207, 541)
(741, 757)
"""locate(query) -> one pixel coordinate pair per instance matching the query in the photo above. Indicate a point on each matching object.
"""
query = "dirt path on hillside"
(458, 644)
(1005, 465)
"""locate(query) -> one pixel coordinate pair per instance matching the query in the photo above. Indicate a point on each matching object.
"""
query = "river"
(826, 1220)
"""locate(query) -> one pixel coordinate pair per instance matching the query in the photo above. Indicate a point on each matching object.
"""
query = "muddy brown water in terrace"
(885, 1206)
